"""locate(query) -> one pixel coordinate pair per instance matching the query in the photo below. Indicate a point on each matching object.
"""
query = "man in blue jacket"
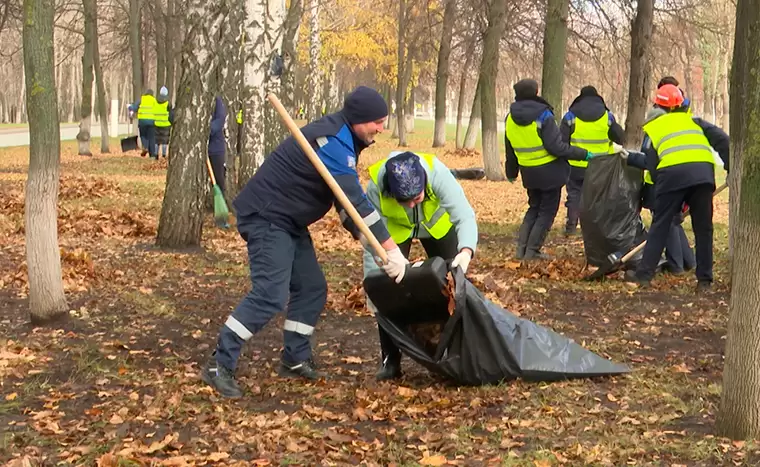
(274, 210)
(535, 148)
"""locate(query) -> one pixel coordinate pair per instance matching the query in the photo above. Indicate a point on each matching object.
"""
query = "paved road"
(20, 136)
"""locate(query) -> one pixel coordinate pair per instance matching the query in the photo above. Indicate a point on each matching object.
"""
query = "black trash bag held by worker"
(477, 342)
(610, 209)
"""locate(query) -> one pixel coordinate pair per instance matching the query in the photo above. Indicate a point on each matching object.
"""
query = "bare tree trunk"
(135, 47)
(555, 44)
(489, 68)
(462, 86)
(739, 415)
(232, 90)
(442, 75)
(289, 41)
(160, 32)
(83, 137)
(401, 83)
(47, 301)
(638, 87)
(724, 88)
(105, 135)
(181, 221)
(314, 100)
(472, 128)
(169, 23)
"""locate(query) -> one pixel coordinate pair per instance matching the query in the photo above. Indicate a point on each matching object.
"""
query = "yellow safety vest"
(239, 117)
(146, 109)
(161, 114)
(435, 219)
(528, 146)
(591, 136)
(678, 140)
(648, 178)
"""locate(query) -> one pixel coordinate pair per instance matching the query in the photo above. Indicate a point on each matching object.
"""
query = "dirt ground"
(117, 383)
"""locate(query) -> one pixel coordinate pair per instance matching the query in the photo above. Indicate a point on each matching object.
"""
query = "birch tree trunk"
(489, 69)
(47, 301)
(638, 87)
(83, 137)
(315, 99)
(187, 179)
(91, 9)
(442, 74)
(739, 415)
(555, 45)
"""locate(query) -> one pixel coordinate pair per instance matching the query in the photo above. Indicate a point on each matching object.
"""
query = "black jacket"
(548, 176)
(678, 177)
(588, 109)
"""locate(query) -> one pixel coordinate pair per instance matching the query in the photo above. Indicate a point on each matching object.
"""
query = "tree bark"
(474, 125)
(739, 415)
(135, 47)
(724, 91)
(91, 9)
(401, 83)
(169, 23)
(442, 74)
(314, 99)
(85, 123)
(187, 179)
(47, 301)
(555, 44)
(160, 32)
(462, 86)
(638, 84)
(289, 54)
(489, 70)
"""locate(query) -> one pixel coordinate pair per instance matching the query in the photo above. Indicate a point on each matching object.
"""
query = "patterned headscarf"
(406, 176)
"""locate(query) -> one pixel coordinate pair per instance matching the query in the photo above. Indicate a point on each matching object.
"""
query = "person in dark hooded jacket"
(536, 150)
(217, 146)
(589, 125)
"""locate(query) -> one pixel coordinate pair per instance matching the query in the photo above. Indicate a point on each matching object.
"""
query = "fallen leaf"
(611, 398)
(116, 420)
(406, 392)
(433, 460)
(261, 462)
(11, 396)
(540, 290)
(217, 456)
(338, 438)
(542, 463)
(159, 445)
(352, 360)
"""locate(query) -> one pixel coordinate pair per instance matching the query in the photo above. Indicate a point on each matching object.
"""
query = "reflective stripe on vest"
(401, 225)
(145, 111)
(678, 140)
(528, 146)
(591, 136)
(161, 114)
(648, 178)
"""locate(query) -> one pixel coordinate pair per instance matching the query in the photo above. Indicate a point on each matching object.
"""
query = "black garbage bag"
(477, 342)
(473, 173)
(610, 209)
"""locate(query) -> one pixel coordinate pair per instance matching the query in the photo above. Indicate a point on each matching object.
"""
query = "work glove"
(462, 260)
(511, 180)
(620, 150)
(590, 155)
(396, 265)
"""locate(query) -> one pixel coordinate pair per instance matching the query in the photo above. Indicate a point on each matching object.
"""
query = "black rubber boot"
(390, 368)
(305, 369)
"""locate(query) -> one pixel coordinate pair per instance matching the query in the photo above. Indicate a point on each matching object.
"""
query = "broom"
(221, 213)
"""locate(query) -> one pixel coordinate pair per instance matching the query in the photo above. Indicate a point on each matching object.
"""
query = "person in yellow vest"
(590, 125)
(164, 116)
(146, 123)
(417, 196)
(535, 149)
(679, 153)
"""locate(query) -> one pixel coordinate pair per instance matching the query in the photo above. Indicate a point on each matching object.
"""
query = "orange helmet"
(668, 96)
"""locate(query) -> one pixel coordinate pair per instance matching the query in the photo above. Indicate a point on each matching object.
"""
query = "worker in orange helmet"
(678, 152)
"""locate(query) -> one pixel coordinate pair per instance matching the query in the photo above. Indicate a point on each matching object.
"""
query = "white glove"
(396, 265)
(620, 150)
(462, 260)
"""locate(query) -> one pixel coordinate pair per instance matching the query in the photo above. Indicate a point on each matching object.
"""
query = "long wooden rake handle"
(327, 176)
(210, 171)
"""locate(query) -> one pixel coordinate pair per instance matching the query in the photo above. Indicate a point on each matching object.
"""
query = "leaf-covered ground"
(117, 384)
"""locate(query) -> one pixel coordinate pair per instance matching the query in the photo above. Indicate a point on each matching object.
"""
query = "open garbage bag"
(480, 343)
(610, 209)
